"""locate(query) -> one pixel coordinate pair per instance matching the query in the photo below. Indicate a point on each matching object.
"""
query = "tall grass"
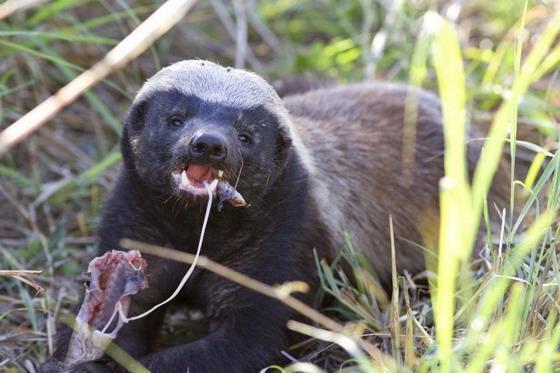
(483, 322)
(495, 311)
(492, 335)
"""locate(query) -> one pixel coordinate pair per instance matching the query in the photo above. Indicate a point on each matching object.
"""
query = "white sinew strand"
(209, 188)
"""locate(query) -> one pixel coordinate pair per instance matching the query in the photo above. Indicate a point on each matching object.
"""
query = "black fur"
(264, 241)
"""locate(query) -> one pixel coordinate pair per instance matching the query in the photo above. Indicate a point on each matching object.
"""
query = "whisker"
(267, 179)
(239, 174)
(171, 195)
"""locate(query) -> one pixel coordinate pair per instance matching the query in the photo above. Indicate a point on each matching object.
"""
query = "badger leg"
(247, 340)
(247, 330)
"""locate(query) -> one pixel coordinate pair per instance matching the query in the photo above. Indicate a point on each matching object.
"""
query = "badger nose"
(208, 147)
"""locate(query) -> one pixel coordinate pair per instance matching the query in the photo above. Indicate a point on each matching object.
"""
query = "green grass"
(496, 64)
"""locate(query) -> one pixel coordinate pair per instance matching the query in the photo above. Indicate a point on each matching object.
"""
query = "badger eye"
(176, 121)
(245, 139)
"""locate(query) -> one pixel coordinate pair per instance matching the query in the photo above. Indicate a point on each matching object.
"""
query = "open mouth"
(192, 178)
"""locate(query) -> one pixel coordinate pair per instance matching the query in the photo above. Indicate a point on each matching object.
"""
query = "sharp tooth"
(220, 173)
(184, 179)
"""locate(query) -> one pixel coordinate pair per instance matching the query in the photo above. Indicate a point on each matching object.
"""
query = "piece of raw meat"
(113, 278)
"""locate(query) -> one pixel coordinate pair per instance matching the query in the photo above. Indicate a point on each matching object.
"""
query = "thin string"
(209, 189)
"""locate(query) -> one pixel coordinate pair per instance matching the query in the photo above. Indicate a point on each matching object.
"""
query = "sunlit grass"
(500, 313)
(489, 322)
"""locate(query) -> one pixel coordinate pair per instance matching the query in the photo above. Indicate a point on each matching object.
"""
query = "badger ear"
(283, 145)
(136, 117)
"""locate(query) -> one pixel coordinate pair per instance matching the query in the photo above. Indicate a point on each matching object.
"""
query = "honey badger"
(313, 167)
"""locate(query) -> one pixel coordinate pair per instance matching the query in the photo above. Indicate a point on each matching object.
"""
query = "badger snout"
(200, 161)
(207, 147)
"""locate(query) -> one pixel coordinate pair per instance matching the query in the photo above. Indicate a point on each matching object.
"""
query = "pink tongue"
(199, 173)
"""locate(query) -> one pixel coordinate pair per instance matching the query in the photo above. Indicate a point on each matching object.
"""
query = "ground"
(53, 184)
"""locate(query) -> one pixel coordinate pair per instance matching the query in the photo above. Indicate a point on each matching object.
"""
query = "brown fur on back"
(354, 136)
